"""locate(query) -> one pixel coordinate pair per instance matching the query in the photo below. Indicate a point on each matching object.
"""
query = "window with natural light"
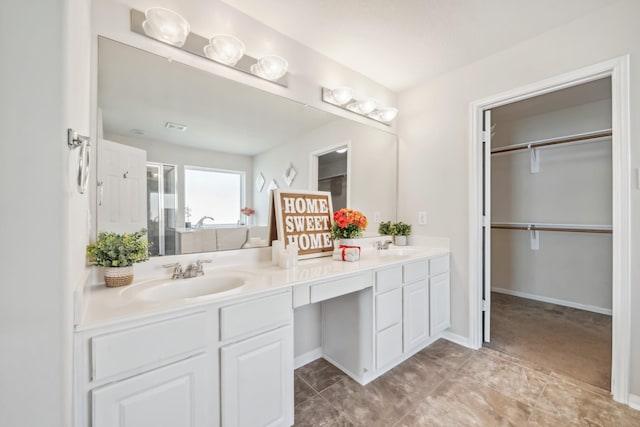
(217, 194)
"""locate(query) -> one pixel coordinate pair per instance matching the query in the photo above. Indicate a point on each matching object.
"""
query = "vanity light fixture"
(341, 97)
(225, 48)
(166, 26)
(169, 27)
(270, 67)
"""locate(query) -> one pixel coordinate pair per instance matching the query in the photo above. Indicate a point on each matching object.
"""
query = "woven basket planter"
(118, 276)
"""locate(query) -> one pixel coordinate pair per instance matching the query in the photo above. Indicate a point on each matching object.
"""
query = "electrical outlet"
(377, 217)
(422, 218)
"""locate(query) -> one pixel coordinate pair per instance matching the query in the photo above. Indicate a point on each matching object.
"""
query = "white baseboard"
(634, 401)
(307, 357)
(457, 339)
(565, 303)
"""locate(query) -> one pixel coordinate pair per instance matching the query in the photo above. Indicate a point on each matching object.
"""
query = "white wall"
(43, 81)
(435, 136)
(373, 166)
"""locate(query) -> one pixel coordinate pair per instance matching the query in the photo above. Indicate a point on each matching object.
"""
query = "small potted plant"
(117, 253)
(384, 229)
(347, 225)
(400, 231)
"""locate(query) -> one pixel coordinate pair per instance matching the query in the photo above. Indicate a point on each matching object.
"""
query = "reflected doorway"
(333, 175)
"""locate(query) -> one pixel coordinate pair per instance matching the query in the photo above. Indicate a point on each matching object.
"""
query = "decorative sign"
(304, 218)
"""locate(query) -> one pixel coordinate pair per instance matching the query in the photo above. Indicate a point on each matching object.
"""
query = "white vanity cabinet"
(256, 362)
(415, 298)
(155, 372)
(227, 364)
(439, 295)
(388, 315)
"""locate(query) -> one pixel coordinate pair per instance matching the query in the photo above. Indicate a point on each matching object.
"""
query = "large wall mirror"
(181, 152)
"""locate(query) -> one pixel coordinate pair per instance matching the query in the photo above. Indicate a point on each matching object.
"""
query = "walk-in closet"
(551, 231)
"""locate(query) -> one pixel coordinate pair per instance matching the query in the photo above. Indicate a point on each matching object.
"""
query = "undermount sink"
(212, 284)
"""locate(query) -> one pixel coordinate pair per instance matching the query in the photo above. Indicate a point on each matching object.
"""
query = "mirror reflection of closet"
(332, 176)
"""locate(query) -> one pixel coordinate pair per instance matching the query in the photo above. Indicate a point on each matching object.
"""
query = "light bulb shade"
(166, 25)
(270, 67)
(225, 48)
(385, 114)
(341, 95)
(364, 106)
(367, 105)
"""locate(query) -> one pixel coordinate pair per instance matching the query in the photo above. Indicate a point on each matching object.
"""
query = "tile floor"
(449, 385)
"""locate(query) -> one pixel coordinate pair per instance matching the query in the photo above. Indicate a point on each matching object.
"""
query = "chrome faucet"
(382, 245)
(201, 221)
(195, 269)
(177, 270)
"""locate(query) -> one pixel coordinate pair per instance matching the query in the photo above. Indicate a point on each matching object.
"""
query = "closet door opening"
(547, 231)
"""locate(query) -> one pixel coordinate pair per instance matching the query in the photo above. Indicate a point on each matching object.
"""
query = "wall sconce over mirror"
(342, 97)
(169, 27)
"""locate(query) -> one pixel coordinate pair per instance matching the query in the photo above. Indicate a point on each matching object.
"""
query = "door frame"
(618, 70)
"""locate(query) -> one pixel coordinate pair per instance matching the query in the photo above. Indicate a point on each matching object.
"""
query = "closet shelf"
(574, 228)
(582, 137)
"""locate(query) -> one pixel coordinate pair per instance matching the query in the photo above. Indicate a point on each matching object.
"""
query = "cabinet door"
(171, 396)
(257, 380)
(440, 298)
(416, 313)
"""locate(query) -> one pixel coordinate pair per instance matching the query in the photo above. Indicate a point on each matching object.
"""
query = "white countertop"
(103, 306)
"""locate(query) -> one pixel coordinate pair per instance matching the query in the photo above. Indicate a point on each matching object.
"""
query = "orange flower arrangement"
(348, 223)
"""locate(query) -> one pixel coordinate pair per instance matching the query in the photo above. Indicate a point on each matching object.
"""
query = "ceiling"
(403, 43)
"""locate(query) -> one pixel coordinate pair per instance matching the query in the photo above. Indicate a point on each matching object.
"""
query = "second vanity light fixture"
(368, 107)
(169, 27)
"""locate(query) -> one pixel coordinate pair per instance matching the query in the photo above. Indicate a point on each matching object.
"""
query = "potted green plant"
(400, 231)
(117, 253)
(384, 229)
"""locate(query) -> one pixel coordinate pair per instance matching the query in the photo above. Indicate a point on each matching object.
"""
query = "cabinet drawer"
(335, 288)
(388, 345)
(131, 349)
(415, 271)
(388, 309)
(256, 315)
(439, 265)
(389, 278)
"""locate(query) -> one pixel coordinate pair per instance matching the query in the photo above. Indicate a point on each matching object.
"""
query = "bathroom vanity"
(150, 354)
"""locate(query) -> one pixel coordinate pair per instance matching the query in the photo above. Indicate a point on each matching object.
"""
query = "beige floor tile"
(514, 380)
(446, 353)
(415, 377)
(320, 374)
(459, 402)
(302, 390)
(570, 402)
(317, 412)
(375, 404)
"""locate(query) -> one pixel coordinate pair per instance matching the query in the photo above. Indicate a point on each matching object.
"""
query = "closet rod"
(554, 227)
(554, 141)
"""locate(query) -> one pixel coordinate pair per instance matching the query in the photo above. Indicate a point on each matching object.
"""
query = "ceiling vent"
(175, 126)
